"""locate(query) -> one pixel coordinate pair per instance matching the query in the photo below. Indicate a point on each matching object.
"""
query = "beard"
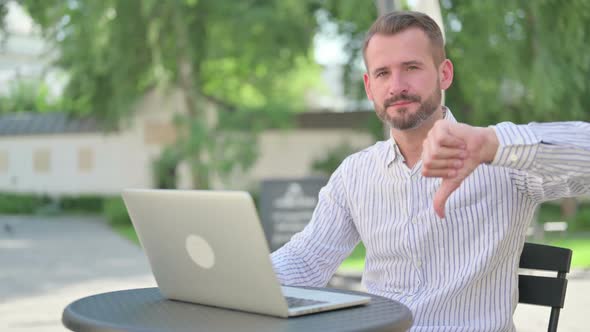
(406, 120)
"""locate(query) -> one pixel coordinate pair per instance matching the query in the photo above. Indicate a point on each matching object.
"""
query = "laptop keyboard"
(295, 302)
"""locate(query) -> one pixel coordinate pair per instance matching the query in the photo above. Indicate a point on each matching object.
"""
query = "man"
(442, 208)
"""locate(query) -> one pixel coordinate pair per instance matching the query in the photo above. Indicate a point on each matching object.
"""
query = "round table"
(145, 309)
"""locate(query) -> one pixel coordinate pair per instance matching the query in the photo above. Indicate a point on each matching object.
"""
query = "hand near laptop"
(199, 247)
(452, 151)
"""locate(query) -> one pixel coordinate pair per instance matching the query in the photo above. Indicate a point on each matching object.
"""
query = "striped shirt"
(455, 274)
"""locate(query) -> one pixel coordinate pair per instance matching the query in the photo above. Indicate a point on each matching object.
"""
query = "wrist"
(490, 146)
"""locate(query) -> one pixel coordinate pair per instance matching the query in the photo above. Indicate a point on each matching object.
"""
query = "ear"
(367, 86)
(445, 74)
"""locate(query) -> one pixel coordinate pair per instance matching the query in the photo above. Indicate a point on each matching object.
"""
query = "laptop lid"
(208, 247)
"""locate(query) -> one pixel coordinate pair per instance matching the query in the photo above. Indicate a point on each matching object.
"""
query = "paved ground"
(46, 263)
(574, 315)
(528, 318)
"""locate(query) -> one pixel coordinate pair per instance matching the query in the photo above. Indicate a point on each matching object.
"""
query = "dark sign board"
(286, 206)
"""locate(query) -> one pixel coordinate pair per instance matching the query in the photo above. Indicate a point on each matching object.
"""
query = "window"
(159, 133)
(3, 161)
(42, 160)
(85, 159)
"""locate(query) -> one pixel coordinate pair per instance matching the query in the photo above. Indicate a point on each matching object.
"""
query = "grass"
(580, 248)
(356, 261)
(127, 232)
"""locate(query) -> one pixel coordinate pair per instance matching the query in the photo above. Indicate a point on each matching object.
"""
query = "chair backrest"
(541, 290)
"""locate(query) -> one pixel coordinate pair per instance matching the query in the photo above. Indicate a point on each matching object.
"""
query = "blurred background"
(101, 95)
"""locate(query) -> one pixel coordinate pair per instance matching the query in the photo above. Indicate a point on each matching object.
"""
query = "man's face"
(402, 79)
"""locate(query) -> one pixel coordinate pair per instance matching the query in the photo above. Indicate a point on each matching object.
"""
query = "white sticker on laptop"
(200, 251)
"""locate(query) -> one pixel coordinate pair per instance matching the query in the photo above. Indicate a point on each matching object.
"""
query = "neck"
(409, 141)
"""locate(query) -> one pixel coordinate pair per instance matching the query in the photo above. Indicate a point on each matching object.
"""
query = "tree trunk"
(188, 83)
(569, 207)
(200, 174)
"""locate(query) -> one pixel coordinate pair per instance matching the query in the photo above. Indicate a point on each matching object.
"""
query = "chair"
(540, 290)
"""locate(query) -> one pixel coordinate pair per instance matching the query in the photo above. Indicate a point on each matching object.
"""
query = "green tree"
(29, 96)
(240, 65)
(3, 12)
(353, 19)
(519, 60)
(515, 61)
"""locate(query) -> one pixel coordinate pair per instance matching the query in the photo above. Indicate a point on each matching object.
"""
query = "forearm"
(293, 269)
(312, 256)
(297, 266)
(558, 154)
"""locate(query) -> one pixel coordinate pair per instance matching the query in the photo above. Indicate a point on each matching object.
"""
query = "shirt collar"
(393, 151)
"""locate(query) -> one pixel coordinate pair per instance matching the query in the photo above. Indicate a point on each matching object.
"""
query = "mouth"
(402, 103)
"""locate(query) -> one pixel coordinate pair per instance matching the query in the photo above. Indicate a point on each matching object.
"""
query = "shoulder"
(371, 156)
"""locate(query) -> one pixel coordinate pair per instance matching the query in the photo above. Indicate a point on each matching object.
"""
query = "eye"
(380, 74)
(410, 68)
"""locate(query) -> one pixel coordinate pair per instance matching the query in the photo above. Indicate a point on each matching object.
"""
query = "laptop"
(208, 247)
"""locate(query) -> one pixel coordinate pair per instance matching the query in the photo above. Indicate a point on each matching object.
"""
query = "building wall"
(90, 163)
(96, 163)
(71, 164)
(291, 153)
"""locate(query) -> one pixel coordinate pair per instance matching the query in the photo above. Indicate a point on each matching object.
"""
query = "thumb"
(442, 194)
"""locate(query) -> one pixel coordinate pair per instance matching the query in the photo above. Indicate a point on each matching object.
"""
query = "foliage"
(115, 212)
(549, 211)
(514, 61)
(580, 222)
(332, 159)
(82, 203)
(353, 19)
(519, 60)
(230, 59)
(21, 203)
(29, 96)
(3, 13)
(164, 169)
(24, 203)
(375, 127)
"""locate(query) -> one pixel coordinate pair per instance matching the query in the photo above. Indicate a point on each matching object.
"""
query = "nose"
(397, 84)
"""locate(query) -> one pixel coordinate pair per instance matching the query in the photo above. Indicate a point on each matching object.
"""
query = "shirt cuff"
(517, 147)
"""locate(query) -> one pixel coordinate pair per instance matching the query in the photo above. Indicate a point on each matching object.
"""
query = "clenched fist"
(452, 151)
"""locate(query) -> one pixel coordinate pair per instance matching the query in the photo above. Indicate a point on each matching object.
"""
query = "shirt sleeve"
(312, 256)
(551, 160)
